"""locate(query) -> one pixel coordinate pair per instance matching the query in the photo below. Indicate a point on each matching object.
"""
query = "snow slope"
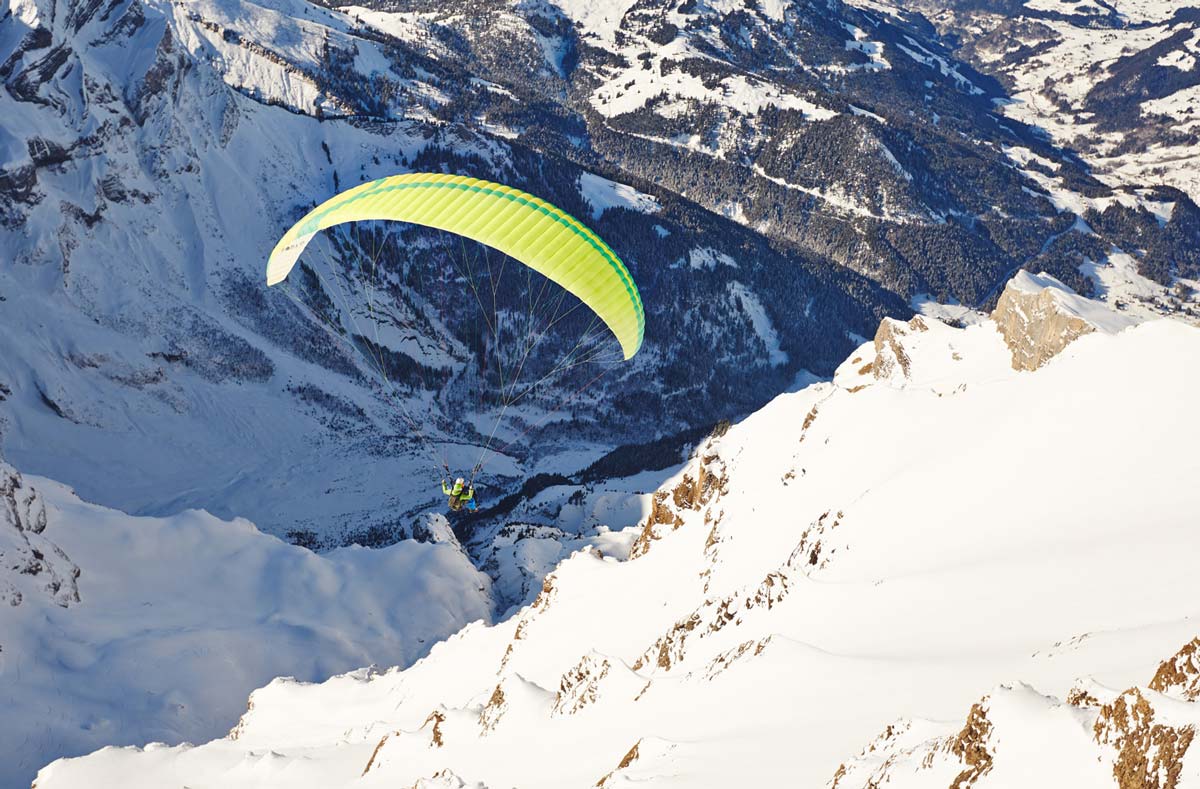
(847, 556)
(178, 618)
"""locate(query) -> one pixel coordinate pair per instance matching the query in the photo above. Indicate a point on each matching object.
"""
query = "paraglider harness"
(459, 497)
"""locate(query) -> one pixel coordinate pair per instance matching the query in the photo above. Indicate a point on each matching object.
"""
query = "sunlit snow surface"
(602, 194)
(985, 526)
(179, 618)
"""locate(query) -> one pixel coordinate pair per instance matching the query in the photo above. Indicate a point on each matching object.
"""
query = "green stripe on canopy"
(532, 231)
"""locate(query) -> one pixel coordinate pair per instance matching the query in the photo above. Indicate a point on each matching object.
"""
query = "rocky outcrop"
(712, 617)
(958, 760)
(701, 485)
(646, 751)
(513, 690)
(891, 360)
(1148, 753)
(29, 562)
(1039, 316)
(1139, 739)
(1179, 675)
(629, 758)
(580, 685)
(814, 550)
(491, 713)
(436, 738)
(746, 649)
(432, 527)
(972, 747)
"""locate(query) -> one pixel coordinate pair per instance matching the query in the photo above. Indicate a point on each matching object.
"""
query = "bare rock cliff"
(1040, 316)
(29, 562)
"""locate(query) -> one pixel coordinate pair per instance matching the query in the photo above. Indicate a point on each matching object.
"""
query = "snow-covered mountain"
(777, 176)
(956, 567)
(1117, 83)
(121, 630)
(152, 152)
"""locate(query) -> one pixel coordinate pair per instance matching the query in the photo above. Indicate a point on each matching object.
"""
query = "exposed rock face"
(1148, 753)
(891, 360)
(445, 779)
(579, 687)
(433, 527)
(1180, 675)
(715, 615)
(972, 746)
(629, 758)
(1138, 739)
(1040, 316)
(491, 713)
(29, 562)
(1034, 328)
(636, 766)
(700, 487)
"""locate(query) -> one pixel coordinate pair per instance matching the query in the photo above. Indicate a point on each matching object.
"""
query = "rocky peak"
(1039, 316)
(891, 360)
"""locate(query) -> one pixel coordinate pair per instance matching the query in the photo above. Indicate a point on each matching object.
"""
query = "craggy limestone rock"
(1040, 316)
(891, 360)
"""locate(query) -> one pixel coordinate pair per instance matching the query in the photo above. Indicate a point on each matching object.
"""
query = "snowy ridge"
(1015, 735)
(872, 553)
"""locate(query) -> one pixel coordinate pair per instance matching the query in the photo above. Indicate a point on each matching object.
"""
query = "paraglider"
(528, 230)
(458, 497)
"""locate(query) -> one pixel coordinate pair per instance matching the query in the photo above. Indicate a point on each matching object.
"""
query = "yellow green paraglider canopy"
(529, 230)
